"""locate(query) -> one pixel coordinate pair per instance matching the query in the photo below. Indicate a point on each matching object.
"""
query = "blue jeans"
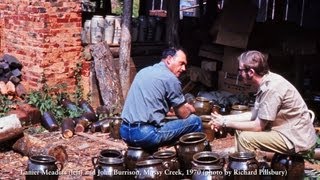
(149, 136)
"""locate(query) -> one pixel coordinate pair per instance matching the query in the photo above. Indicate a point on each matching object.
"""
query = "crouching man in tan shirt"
(279, 122)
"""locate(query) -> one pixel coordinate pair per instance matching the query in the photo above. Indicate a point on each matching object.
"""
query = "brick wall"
(44, 35)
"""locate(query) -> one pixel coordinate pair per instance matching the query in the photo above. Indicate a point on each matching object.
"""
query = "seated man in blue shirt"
(154, 91)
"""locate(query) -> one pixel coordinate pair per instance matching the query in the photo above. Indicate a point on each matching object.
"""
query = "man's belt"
(138, 123)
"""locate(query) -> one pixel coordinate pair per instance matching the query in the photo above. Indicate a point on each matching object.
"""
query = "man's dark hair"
(171, 52)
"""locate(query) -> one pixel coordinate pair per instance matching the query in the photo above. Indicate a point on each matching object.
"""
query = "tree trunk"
(108, 80)
(125, 48)
(173, 23)
(30, 146)
(10, 127)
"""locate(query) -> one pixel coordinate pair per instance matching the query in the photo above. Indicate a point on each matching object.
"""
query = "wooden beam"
(125, 47)
(172, 36)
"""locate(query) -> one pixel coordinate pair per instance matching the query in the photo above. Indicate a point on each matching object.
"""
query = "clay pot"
(100, 125)
(244, 162)
(86, 106)
(133, 155)
(293, 165)
(90, 116)
(49, 122)
(207, 127)
(169, 159)
(88, 111)
(107, 153)
(151, 169)
(67, 127)
(190, 144)
(115, 124)
(43, 167)
(81, 124)
(238, 109)
(203, 172)
(202, 106)
(67, 103)
(207, 158)
(109, 168)
(216, 109)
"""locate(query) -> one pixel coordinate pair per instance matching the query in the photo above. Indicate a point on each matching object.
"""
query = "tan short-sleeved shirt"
(279, 102)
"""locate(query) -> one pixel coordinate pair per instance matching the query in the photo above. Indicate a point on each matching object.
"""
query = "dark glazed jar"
(49, 121)
(205, 172)
(207, 127)
(67, 103)
(43, 167)
(291, 165)
(67, 127)
(86, 106)
(99, 125)
(151, 169)
(107, 153)
(115, 124)
(243, 166)
(133, 155)
(202, 106)
(171, 163)
(109, 168)
(190, 144)
(207, 158)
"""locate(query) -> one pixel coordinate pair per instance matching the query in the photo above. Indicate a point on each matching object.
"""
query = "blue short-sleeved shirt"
(153, 91)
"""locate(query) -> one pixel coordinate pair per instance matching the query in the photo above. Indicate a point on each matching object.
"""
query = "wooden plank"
(108, 79)
(119, 144)
(29, 145)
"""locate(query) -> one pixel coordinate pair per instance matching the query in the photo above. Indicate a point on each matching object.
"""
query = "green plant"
(118, 8)
(78, 95)
(5, 105)
(47, 99)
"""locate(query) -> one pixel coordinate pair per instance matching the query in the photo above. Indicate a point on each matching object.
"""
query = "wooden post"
(125, 48)
(173, 8)
(108, 79)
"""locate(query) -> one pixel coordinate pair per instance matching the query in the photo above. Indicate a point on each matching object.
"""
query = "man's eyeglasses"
(240, 70)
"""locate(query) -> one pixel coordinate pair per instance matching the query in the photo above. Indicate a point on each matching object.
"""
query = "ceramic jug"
(188, 145)
(43, 167)
(243, 166)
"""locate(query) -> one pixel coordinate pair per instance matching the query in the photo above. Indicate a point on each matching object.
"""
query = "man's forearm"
(246, 116)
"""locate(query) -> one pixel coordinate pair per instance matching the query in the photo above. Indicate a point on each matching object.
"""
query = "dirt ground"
(80, 151)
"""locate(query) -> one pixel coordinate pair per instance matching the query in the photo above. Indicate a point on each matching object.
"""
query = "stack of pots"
(190, 144)
(99, 29)
(192, 158)
(143, 29)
